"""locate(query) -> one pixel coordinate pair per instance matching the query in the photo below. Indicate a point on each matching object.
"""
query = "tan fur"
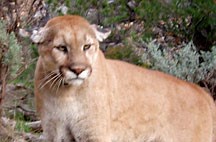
(116, 101)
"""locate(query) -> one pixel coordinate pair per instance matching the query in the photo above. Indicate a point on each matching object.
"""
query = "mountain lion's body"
(82, 96)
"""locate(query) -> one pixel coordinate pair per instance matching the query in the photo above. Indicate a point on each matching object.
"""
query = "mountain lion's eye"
(62, 48)
(86, 47)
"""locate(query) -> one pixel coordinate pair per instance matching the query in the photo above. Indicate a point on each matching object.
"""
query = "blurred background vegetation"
(174, 36)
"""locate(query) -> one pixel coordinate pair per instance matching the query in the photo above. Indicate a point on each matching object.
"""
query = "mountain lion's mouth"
(73, 78)
(74, 81)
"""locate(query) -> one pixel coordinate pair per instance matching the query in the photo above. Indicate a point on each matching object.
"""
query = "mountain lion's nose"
(77, 70)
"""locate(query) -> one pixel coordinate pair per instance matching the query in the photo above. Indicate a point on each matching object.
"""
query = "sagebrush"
(185, 63)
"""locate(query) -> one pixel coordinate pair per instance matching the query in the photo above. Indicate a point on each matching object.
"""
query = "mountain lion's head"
(68, 47)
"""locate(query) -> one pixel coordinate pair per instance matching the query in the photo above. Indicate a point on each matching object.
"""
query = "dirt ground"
(19, 120)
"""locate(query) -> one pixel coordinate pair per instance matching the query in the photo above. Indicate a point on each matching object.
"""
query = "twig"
(26, 112)
(35, 126)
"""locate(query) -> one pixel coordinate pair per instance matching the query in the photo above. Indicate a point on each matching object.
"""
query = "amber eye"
(62, 48)
(86, 47)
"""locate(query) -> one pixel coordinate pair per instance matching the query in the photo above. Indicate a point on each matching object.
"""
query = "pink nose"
(77, 70)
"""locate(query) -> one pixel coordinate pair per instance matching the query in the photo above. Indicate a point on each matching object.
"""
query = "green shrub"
(203, 14)
(185, 63)
(107, 13)
(21, 123)
(26, 77)
(183, 18)
(12, 55)
(20, 64)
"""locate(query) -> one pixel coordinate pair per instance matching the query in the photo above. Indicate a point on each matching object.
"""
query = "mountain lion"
(82, 96)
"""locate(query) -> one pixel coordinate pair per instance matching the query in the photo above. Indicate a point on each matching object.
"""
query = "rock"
(169, 38)
(132, 4)
(92, 15)
(157, 31)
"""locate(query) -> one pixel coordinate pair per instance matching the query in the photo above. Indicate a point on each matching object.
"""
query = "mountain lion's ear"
(101, 34)
(38, 36)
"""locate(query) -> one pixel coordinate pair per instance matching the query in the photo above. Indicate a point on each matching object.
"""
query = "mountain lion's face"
(68, 49)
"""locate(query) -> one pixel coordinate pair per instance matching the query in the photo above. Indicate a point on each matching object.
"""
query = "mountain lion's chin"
(75, 82)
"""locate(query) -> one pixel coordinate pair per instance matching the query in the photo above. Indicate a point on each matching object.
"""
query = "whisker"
(59, 84)
(55, 80)
(46, 77)
(48, 81)
(63, 82)
(49, 74)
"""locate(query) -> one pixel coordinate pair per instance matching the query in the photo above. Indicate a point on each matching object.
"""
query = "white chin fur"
(76, 82)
